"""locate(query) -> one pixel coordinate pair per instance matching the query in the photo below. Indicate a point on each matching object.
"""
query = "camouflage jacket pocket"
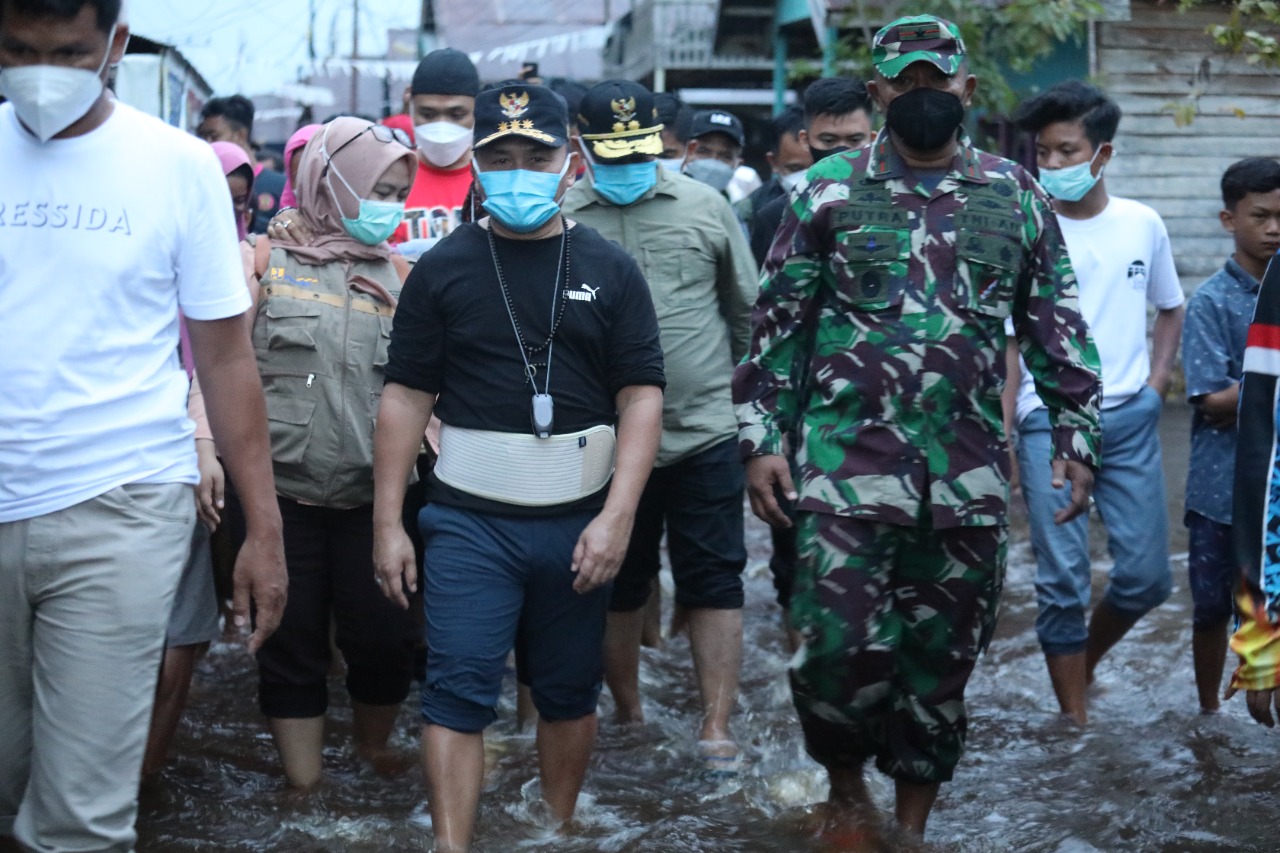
(988, 268)
(870, 266)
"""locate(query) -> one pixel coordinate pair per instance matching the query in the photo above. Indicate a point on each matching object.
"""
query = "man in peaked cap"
(696, 260)
(548, 430)
(879, 339)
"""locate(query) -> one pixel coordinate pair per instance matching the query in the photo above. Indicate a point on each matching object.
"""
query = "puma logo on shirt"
(587, 294)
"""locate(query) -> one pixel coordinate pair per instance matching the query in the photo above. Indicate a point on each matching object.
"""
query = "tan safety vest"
(321, 350)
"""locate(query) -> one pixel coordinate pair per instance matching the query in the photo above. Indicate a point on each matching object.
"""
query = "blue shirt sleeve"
(1206, 344)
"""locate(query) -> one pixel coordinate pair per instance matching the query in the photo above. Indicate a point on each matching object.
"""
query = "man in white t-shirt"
(110, 221)
(1120, 251)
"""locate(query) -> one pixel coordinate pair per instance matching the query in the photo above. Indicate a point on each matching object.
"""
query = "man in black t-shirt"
(532, 339)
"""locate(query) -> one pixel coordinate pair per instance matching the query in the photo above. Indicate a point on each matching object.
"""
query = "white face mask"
(671, 164)
(713, 173)
(789, 182)
(442, 142)
(50, 98)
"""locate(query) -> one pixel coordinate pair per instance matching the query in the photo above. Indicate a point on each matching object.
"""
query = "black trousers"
(329, 553)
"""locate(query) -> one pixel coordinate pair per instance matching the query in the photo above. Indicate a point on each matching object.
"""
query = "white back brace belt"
(521, 469)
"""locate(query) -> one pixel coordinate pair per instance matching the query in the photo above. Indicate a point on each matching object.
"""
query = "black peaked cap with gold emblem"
(525, 110)
(617, 119)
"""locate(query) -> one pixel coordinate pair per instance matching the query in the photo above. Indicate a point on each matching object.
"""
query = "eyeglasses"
(380, 132)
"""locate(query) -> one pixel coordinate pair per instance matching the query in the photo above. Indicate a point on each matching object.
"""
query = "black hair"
(108, 11)
(835, 96)
(245, 171)
(1071, 100)
(789, 122)
(236, 109)
(1251, 175)
(675, 114)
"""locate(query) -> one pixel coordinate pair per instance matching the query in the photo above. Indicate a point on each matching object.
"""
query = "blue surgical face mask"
(377, 221)
(713, 173)
(1072, 183)
(624, 183)
(520, 199)
(671, 164)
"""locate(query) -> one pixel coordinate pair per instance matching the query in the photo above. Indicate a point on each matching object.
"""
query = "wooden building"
(1155, 65)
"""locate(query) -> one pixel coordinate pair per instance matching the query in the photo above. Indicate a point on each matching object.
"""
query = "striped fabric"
(1256, 511)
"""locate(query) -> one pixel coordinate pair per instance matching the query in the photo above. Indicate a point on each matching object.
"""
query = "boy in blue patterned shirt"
(1213, 345)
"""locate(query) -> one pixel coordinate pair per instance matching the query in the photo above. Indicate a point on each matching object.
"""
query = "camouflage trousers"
(893, 620)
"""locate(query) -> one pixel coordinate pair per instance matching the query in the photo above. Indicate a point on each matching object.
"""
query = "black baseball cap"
(617, 119)
(527, 110)
(445, 72)
(718, 121)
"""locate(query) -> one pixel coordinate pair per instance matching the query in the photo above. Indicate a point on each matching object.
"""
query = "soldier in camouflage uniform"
(879, 333)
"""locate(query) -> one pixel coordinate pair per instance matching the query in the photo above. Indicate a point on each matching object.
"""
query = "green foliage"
(1240, 34)
(1000, 35)
(1240, 37)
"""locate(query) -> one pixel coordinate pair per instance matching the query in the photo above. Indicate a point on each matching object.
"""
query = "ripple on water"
(1148, 775)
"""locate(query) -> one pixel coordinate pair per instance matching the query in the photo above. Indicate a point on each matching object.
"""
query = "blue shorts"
(497, 582)
(1209, 567)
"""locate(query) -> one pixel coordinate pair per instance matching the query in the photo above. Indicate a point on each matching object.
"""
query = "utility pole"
(311, 33)
(355, 53)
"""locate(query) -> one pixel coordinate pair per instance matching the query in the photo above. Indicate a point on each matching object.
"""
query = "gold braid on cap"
(612, 147)
(622, 134)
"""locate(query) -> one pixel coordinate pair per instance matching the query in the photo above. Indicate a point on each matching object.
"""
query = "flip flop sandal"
(716, 765)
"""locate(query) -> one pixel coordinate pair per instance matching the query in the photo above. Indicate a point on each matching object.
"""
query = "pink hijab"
(300, 137)
(347, 147)
(233, 157)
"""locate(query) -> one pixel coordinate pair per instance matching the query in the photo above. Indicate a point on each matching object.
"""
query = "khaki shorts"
(85, 596)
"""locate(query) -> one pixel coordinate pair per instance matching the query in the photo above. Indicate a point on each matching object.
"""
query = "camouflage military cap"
(917, 38)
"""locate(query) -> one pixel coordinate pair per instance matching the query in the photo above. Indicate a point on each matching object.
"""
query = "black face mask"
(823, 153)
(925, 119)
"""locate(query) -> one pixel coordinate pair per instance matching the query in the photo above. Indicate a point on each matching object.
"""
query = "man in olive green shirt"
(698, 263)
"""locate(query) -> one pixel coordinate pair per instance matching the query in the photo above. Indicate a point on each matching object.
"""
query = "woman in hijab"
(239, 172)
(321, 331)
(295, 145)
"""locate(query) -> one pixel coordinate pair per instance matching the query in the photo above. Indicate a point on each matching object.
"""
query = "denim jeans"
(1130, 495)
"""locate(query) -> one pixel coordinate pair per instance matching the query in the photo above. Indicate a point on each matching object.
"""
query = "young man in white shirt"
(1120, 251)
(110, 221)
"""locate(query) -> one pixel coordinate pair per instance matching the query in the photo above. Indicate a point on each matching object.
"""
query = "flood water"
(1148, 774)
